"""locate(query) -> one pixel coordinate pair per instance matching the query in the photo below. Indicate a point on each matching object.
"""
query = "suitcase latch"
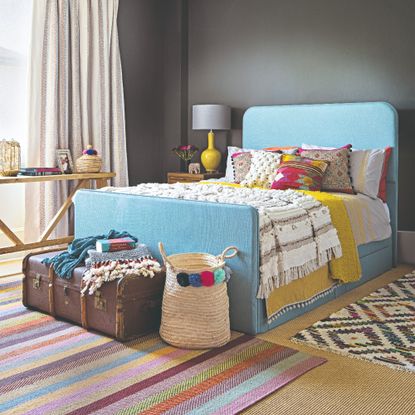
(36, 282)
(99, 302)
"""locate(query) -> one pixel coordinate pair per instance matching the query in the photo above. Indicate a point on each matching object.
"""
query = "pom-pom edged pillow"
(241, 163)
(263, 168)
(337, 176)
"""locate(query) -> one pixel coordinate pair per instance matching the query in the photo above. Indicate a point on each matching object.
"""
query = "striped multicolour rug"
(53, 367)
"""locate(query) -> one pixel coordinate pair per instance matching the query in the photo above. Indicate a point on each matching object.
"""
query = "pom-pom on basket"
(195, 317)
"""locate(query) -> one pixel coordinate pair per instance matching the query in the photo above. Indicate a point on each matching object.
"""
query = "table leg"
(101, 183)
(64, 208)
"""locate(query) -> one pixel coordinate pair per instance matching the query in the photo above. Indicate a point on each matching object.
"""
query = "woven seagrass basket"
(195, 317)
(88, 164)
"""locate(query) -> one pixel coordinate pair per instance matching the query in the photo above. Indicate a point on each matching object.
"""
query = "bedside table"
(189, 178)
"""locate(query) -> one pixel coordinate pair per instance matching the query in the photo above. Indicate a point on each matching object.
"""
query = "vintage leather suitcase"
(124, 308)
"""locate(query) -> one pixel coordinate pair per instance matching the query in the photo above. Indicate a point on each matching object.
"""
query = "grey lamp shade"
(211, 117)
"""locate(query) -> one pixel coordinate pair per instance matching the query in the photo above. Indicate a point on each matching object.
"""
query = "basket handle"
(164, 255)
(224, 254)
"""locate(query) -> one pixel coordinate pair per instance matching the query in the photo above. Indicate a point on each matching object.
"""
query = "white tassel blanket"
(296, 233)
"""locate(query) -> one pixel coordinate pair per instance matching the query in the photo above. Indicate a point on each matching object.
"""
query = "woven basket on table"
(88, 164)
(195, 317)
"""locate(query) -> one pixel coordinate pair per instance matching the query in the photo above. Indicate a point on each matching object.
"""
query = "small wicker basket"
(195, 317)
(89, 162)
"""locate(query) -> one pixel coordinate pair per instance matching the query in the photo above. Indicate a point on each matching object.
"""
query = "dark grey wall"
(250, 52)
(153, 51)
(141, 44)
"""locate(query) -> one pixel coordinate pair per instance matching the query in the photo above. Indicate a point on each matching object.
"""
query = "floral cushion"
(241, 163)
(296, 172)
(229, 174)
(263, 168)
(337, 177)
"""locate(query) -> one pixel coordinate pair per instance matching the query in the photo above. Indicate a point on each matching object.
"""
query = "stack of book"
(39, 171)
(119, 244)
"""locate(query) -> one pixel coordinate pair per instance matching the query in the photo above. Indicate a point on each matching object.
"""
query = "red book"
(120, 244)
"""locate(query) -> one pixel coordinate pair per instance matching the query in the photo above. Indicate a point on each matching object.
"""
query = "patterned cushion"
(337, 176)
(296, 172)
(229, 174)
(263, 169)
(241, 163)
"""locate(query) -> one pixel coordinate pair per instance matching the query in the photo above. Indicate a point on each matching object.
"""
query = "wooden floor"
(342, 386)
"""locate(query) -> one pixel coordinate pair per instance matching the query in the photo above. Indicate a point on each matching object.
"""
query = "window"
(15, 26)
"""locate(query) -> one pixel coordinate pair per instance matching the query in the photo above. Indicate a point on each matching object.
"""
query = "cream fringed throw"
(296, 233)
(104, 267)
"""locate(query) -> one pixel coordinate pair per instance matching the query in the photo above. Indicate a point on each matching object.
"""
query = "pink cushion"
(297, 172)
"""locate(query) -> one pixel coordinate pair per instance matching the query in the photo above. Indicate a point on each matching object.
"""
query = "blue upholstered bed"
(186, 226)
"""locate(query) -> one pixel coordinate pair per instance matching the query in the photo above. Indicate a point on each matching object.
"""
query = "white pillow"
(365, 169)
(229, 173)
(263, 170)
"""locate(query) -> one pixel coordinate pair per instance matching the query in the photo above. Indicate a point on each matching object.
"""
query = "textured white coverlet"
(296, 233)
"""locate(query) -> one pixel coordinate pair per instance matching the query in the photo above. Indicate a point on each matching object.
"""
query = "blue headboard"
(365, 125)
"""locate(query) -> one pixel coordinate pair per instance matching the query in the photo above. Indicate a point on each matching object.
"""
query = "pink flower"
(186, 152)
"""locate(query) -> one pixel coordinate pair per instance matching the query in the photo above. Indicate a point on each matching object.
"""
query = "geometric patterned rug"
(53, 367)
(379, 328)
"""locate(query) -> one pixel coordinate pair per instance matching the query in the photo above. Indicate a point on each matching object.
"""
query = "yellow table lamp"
(211, 117)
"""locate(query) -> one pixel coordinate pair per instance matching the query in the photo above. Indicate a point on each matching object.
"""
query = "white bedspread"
(296, 233)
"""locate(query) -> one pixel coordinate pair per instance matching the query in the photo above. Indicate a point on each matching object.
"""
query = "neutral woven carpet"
(53, 367)
(379, 328)
(342, 386)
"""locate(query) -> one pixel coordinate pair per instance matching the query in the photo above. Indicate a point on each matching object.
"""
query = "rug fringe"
(328, 349)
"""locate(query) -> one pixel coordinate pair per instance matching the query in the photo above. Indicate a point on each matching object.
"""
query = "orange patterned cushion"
(287, 149)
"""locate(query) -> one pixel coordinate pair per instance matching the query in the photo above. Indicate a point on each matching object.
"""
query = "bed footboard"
(184, 226)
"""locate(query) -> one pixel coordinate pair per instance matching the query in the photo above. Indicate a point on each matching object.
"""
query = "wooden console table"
(84, 179)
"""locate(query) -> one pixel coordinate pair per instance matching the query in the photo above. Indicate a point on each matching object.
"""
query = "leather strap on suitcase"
(84, 319)
(51, 294)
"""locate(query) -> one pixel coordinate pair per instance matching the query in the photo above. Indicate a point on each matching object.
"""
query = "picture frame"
(64, 160)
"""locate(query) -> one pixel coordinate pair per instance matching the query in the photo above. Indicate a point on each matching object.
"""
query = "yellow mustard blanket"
(347, 268)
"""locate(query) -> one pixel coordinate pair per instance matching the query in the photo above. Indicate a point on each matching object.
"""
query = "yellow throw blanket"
(347, 268)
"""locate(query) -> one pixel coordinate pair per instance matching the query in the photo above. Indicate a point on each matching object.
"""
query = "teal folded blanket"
(77, 252)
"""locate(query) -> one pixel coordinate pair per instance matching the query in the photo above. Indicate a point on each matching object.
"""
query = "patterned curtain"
(75, 97)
